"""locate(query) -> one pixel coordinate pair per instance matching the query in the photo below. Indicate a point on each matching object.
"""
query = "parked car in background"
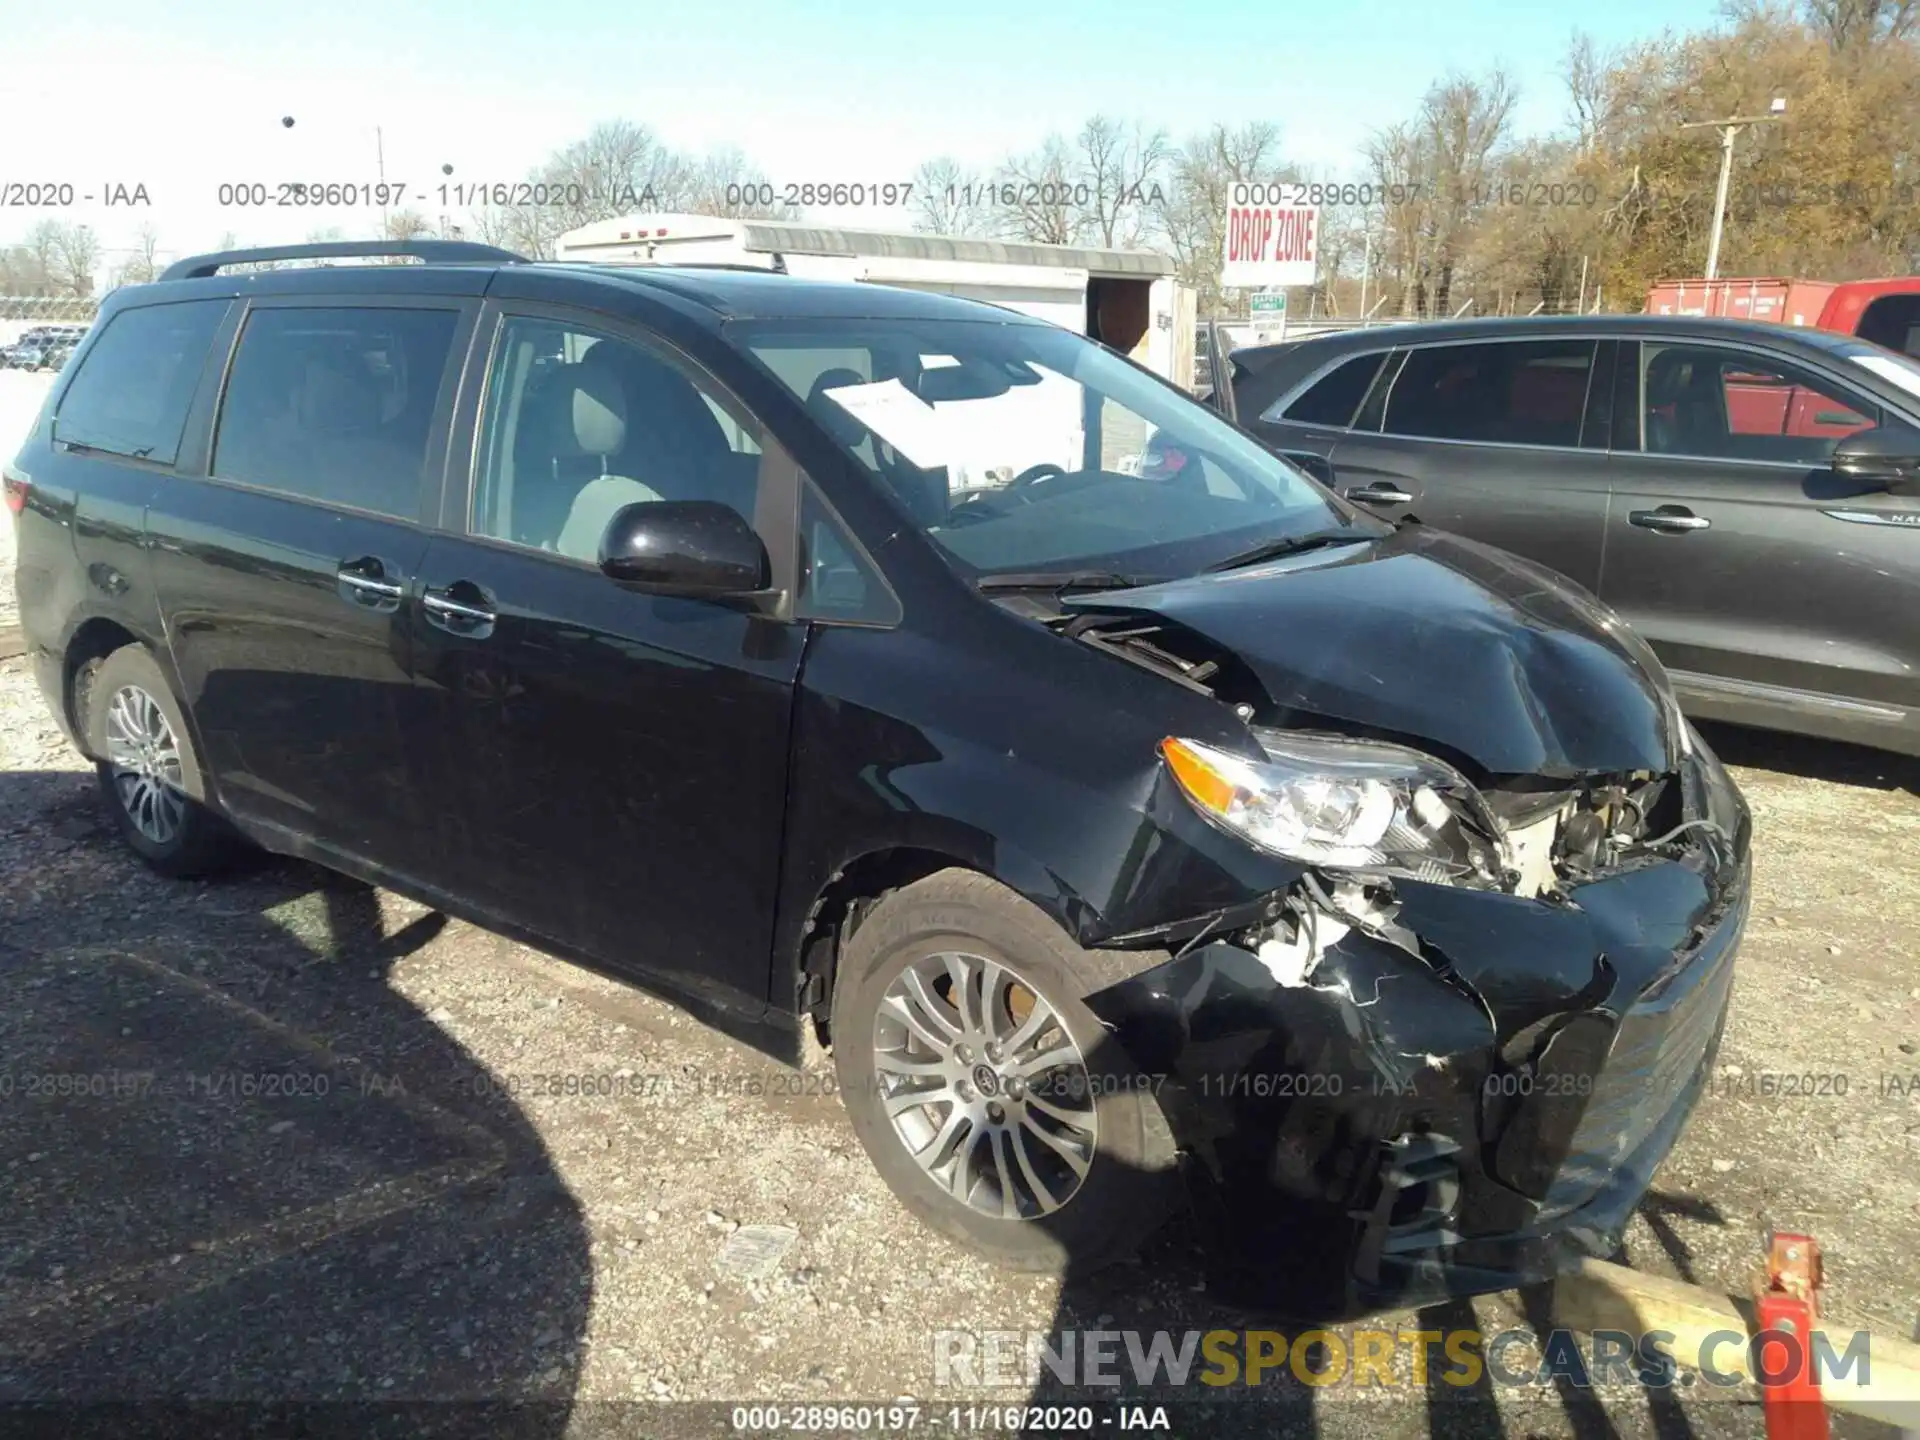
(1106, 822)
(1746, 495)
(1885, 312)
(27, 355)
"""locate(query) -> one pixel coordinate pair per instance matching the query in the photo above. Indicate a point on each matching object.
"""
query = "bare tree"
(1848, 25)
(143, 263)
(1587, 71)
(75, 260)
(1193, 210)
(1121, 167)
(725, 184)
(617, 168)
(948, 199)
(42, 249)
(24, 272)
(1033, 195)
(1441, 162)
(406, 225)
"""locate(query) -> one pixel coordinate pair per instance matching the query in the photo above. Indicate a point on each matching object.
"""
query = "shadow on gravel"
(240, 1167)
(1833, 761)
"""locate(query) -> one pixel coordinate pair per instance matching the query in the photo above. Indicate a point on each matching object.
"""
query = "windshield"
(1024, 447)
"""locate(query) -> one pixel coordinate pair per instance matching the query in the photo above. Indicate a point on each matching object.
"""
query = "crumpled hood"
(1435, 637)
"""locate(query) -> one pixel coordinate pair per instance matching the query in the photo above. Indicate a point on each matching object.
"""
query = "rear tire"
(150, 775)
(990, 1162)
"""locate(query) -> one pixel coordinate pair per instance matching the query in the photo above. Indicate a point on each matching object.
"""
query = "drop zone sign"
(1271, 241)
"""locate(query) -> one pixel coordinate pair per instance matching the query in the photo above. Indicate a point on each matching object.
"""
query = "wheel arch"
(849, 894)
(92, 641)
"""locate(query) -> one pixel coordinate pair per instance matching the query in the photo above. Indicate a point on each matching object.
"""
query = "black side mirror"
(1887, 456)
(696, 549)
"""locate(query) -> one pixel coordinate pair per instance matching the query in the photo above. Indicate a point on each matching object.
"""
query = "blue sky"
(184, 96)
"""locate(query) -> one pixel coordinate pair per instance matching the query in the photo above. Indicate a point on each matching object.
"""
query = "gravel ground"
(407, 1218)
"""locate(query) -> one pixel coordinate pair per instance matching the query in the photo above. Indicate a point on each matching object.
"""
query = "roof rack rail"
(448, 252)
(778, 268)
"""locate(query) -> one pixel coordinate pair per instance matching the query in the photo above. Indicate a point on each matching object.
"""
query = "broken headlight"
(1353, 804)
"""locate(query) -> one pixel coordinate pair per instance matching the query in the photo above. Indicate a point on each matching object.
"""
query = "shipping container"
(1886, 312)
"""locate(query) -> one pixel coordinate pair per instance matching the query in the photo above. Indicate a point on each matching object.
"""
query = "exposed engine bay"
(1547, 834)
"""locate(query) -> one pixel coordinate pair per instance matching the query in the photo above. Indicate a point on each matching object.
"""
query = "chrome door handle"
(456, 617)
(366, 585)
(1672, 522)
(1378, 495)
(453, 609)
(362, 582)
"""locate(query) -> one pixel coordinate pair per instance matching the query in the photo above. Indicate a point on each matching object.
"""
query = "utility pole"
(1729, 128)
(1366, 266)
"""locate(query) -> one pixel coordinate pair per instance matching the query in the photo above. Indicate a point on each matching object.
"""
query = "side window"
(131, 395)
(837, 580)
(1520, 392)
(1335, 397)
(578, 425)
(1734, 405)
(335, 404)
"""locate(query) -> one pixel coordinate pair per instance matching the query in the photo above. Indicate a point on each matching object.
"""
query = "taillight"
(16, 488)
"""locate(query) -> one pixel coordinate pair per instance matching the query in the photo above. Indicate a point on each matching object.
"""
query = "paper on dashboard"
(900, 418)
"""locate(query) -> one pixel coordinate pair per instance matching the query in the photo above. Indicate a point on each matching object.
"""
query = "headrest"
(663, 406)
(594, 411)
(838, 422)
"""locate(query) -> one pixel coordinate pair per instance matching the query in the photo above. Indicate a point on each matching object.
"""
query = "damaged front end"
(1463, 1027)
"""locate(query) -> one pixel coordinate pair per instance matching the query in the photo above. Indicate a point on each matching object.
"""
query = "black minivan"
(1121, 807)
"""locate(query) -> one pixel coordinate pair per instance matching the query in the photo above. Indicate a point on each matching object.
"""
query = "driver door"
(615, 763)
(1760, 576)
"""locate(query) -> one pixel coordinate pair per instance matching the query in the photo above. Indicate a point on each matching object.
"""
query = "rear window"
(1335, 397)
(335, 404)
(1498, 392)
(130, 395)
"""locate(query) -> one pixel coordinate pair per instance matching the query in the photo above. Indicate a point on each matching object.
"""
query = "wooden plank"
(1600, 1296)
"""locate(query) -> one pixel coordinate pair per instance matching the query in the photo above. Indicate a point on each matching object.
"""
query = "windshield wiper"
(1059, 580)
(1288, 545)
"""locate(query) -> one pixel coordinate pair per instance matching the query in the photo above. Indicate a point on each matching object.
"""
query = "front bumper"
(1402, 1129)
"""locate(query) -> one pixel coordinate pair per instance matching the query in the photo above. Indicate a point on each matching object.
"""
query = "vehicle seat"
(588, 422)
(925, 498)
(673, 438)
(1686, 409)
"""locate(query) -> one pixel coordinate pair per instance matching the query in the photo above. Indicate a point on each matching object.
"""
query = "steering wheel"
(1034, 474)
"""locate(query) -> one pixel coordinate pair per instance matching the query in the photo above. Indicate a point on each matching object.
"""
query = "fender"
(1082, 820)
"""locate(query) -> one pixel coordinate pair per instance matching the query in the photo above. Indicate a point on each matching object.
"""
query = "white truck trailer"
(1128, 299)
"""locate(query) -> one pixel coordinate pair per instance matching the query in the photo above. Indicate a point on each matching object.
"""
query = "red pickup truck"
(1886, 312)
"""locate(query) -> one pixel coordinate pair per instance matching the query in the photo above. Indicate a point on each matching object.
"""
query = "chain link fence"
(48, 307)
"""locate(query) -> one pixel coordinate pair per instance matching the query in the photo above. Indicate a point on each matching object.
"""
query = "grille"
(1658, 1051)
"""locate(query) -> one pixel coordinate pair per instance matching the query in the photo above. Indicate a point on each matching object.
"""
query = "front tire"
(989, 1097)
(149, 774)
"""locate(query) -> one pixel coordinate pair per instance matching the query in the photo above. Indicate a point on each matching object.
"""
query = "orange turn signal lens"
(1209, 788)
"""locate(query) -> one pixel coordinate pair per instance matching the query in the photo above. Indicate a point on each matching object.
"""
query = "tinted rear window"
(335, 404)
(1530, 392)
(1334, 397)
(130, 395)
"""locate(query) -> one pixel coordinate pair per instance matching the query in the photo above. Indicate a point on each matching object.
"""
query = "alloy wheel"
(984, 1085)
(144, 755)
